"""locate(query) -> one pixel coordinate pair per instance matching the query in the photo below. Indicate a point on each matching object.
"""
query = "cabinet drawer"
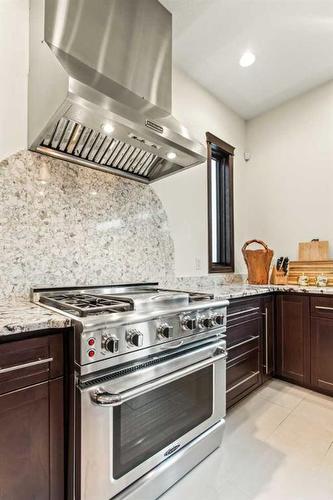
(30, 361)
(322, 307)
(242, 309)
(242, 331)
(243, 347)
(243, 375)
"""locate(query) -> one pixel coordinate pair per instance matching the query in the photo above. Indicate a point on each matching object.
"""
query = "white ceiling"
(292, 41)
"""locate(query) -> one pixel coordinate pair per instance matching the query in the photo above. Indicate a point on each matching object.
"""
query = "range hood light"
(247, 59)
(171, 155)
(107, 128)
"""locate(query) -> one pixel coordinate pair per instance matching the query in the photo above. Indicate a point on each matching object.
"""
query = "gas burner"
(82, 304)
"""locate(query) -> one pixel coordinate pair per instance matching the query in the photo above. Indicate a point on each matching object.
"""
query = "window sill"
(216, 268)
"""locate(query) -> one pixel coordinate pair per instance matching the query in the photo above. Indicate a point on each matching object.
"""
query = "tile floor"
(278, 445)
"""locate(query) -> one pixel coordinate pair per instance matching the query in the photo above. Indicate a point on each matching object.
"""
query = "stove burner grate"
(85, 304)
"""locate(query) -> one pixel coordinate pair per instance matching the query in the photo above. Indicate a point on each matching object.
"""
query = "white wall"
(289, 179)
(184, 195)
(14, 51)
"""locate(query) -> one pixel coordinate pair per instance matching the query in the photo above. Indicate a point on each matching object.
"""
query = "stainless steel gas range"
(148, 387)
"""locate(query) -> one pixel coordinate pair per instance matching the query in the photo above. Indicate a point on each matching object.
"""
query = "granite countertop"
(21, 316)
(237, 291)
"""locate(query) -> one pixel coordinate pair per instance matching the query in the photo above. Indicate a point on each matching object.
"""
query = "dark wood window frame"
(215, 148)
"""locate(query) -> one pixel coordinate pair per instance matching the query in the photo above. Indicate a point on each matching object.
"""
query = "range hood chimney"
(100, 88)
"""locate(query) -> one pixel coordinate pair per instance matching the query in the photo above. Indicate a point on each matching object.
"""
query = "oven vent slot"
(71, 139)
(121, 373)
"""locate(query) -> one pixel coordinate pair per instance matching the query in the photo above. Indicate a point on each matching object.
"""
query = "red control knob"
(91, 353)
(91, 341)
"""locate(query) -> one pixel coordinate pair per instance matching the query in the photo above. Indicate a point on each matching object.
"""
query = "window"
(220, 205)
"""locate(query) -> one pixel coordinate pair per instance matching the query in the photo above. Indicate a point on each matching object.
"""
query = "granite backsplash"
(204, 282)
(62, 224)
(65, 225)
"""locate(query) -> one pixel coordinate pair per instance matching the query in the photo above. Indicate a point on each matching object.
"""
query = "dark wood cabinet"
(32, 419)
(322, 343)
(250, 344)
(243, 375)
(287, 335)
(244, 330)
(293, 338)
(304, 340)
(268, 351)
(30, 361)
(322, 354)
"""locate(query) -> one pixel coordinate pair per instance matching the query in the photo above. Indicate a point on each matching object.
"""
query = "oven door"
(132, 423)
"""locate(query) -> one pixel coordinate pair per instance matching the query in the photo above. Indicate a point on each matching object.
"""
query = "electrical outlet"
(197, 264)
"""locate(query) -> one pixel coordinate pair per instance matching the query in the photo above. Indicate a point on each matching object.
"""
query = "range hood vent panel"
(100, 149)
(108, 62)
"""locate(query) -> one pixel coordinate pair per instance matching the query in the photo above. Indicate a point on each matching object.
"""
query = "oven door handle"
(101, 398)
(173, 345)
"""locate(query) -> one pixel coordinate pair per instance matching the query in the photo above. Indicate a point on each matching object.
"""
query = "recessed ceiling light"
(171, 155)
(247, 59)
(108, 128)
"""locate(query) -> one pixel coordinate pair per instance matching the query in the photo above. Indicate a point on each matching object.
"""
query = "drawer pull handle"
(254, 337)
(26, 365)
(254, 374)
(323, 308)
(265, 314)
(246, 311)
(231, 363)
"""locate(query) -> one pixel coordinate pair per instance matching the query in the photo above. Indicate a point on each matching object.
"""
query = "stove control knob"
(208, 322)
(189, 323)
(218, 319)
(111, 344)
(164, 331)
(134, 338)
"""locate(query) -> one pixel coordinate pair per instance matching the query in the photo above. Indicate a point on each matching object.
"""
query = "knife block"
(278, 277)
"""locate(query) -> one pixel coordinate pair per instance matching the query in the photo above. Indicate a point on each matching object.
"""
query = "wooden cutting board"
(311, 269)
(313, 250)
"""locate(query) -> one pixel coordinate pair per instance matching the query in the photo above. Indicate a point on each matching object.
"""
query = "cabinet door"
(293, 338)
(268, 337)
(31, 443)
(322, 354)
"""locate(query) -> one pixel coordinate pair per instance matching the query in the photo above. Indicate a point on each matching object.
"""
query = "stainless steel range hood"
(100, 87)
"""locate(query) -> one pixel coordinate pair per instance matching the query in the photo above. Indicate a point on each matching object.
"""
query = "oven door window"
(148, 423)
